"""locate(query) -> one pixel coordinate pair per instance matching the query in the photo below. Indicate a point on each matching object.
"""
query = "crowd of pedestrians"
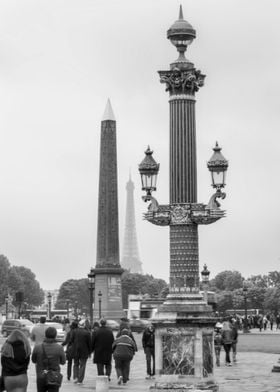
(263, 322)
(80, 343)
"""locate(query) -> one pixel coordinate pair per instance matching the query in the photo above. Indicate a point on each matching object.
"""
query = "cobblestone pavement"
(252, 373)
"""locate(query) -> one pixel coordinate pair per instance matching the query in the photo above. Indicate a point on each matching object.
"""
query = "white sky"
(59, 62)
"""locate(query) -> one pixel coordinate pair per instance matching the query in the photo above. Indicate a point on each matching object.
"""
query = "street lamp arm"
(159, 216)
(153, 206)
(184, 213)
(213, 203)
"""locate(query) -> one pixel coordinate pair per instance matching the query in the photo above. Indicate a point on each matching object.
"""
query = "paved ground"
(251, 373)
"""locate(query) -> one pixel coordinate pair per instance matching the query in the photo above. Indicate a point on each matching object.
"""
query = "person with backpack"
(123, 351)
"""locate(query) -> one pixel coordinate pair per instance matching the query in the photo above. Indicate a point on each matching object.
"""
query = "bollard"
(102, 384)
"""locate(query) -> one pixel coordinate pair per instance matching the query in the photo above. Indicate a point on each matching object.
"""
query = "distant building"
(130, 257)
(143, 307)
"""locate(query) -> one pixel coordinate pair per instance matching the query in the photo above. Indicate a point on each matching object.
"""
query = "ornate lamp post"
(49, 297)
(91, 276)
(99, 303)
(7, 306)
(76, 310)
(67, 307)
(245, 295)
(205, 281)
(184, 323)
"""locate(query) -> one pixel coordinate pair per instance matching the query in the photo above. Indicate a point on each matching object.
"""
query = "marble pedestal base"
(194, 386)
(184, 348)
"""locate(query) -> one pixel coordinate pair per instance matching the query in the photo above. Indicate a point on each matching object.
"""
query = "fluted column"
(183, 175)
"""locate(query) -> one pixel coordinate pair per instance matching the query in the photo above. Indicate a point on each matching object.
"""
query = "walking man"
(102, 341)
(38, 331)
(81, 344)
(148, 343)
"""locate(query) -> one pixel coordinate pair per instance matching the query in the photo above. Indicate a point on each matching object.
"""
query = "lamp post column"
(99, 302)
(7, 306)
(49, 296)
(205, 282)
(245, 327)
(91, 285)
(67, 307)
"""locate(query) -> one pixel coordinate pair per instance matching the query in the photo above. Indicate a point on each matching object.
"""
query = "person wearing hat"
(218, 342)
(102, 341)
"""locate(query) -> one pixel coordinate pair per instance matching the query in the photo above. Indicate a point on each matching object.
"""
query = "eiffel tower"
(130, 257)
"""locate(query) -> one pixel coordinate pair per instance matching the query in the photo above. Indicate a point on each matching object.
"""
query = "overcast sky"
(59, 62)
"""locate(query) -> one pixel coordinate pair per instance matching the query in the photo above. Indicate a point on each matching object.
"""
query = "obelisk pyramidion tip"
(108, 114)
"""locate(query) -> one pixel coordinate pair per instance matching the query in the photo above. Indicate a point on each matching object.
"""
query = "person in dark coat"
(102, 341)
(15, 357)
(148, 343)
(123, 351)
(81, 342)
(55, 355)
(69, 348)
(234, 340)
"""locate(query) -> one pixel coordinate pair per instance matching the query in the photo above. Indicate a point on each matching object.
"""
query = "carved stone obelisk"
(130, 257)
(108, 294)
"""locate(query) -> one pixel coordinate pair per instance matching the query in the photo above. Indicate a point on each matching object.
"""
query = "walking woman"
(123, 352)
(69, 348)
(55, 356)
(227, 338)
(15, 357)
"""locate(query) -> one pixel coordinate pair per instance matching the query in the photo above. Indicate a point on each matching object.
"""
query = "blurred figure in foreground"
(15, 358)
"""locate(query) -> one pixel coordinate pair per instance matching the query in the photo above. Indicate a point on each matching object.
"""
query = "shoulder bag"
(52, 377)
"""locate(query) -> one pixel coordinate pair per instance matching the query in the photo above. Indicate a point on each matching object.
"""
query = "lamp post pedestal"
(184, 344)
(184, 354)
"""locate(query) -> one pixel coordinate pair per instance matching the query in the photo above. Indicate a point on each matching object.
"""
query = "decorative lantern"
(91, 276)
(217, 166)
(205, 274)
(148, 169)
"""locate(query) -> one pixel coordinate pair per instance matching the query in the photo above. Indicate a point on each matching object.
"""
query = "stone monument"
(108, 293)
